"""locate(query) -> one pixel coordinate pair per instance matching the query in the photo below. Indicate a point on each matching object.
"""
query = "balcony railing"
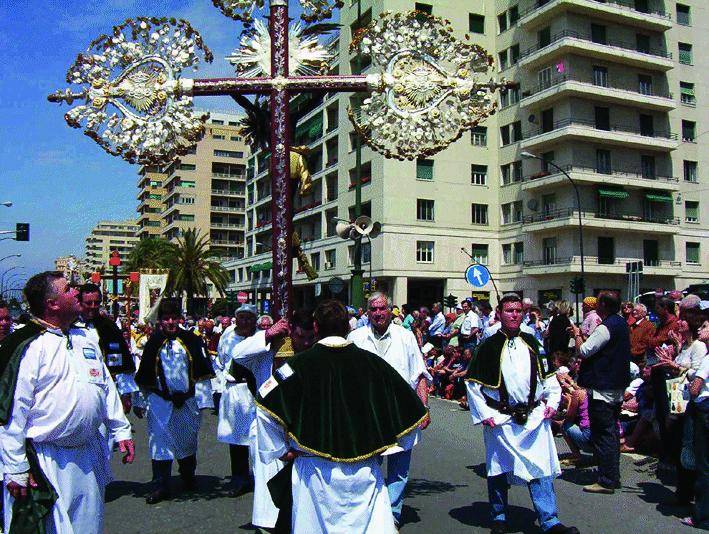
(229, 176)
(307, 207)
(595, 260)
(622, 128)
(226, 242)
(226, 225)
(611, 43)
(570, 78)
(227, 208)
(635, 175)
(622, 4)
(228, 192)
(565, 213)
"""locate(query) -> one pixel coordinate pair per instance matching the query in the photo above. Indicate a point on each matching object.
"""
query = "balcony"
(573, 42)
(228, 193)
(591, 175)
(618, 11)
(228, 226)
(621, 221)
(229, 176)
(596, 265)
(567, 86)
(223, 242)
(586, 130)
(228, 209)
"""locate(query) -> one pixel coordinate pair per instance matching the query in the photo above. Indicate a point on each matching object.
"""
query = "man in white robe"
(247, 361)
(175, 378)
(513, 392)
(398, 347)
(61, 394)
(304, 416)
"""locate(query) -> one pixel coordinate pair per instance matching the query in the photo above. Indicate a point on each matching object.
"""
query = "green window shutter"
(613, 192)
(659, 196)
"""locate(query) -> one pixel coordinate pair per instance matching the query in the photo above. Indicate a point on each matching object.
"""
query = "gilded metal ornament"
(249, 10)
(136, 105)
(433, 86)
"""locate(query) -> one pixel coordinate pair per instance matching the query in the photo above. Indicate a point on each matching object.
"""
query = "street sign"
(477, 275)
(242, 297)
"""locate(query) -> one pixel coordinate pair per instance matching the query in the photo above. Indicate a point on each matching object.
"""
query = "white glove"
(21, 479)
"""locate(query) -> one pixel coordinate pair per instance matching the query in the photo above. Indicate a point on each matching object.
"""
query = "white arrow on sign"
(476, 275)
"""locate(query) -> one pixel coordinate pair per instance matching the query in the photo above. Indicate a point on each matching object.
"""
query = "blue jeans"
(541, 490)
(581, 437)
(396, 478)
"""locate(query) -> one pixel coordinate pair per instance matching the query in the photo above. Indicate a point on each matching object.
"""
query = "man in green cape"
(334, 410)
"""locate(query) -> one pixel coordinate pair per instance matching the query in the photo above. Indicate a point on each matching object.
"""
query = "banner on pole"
(152, 286)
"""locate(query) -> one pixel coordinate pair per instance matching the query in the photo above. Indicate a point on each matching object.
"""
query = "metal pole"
(357, 283)
(281, 195)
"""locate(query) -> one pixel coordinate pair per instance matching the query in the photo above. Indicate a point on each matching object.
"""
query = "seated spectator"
(576, 427)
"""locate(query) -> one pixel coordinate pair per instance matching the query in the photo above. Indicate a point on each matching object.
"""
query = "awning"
(655, 196)
(613, 192)
(258, 267)
(687, 91)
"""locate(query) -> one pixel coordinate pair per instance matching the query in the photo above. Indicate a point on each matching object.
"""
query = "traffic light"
(22, 232)
(577, 285)
(450, 301)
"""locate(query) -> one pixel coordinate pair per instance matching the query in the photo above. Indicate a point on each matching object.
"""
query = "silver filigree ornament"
(306, 56)
(249, 10)
(135, 102)
(430, 89)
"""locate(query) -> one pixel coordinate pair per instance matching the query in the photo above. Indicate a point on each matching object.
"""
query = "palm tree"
(150, 253)
(194, 265)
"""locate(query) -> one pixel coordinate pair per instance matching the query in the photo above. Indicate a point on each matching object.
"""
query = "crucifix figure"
(426, 88)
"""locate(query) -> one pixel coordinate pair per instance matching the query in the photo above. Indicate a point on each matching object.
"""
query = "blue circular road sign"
(477, 275)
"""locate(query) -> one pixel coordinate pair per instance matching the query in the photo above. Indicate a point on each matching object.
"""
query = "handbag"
(678, 393)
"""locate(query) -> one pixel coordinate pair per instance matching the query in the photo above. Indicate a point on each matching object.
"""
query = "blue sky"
(60, 181)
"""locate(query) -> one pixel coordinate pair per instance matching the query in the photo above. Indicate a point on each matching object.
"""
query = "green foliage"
(195, 265)
(150, 253)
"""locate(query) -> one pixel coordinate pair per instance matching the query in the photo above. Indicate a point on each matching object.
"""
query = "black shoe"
(158, 495)
(562, 529)
(498, 527)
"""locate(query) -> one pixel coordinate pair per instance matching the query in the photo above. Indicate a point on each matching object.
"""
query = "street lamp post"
(11, 256)
(529, 155)
(2, 277)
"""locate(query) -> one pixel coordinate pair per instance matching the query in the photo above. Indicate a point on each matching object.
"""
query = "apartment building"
(151, 198)
(206, 189)
(106, 237)
(610, 92)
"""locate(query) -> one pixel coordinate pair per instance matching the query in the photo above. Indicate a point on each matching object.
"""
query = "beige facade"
(612, 92)
(71, 266)
(206, 189)
(106, 237)
(151, 198)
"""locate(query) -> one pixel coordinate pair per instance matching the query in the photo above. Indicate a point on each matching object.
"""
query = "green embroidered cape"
(344, 404)
(486, 365)
(27, 515)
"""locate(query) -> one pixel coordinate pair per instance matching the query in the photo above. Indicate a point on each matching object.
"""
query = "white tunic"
(64, 395)
(523, 452)
(329, 497)
(237, 413)
(401, 351)
(173, 432)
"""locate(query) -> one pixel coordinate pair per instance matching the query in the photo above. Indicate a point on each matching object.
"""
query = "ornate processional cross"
(426, 88)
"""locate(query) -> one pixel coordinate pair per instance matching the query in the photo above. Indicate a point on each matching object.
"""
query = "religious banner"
(151, 288)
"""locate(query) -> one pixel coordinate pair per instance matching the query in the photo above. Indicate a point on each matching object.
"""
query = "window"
(188, 167)
(235, 138)
(186, 217)
(502, 21)
(315, 260)
(479, 214)
(514, 54)
(424, 251)
(685, 53)
(478, 136)
(544, 37)
(644, 84)
(478, 174)
(690, 171)
(476, 23)
(549, 250)
(511, 173)
(642, 43)
(691, 211)
(642, 6)
(603, 118)
(519, 252)
(600, 76)
(502, 59)
(505, 134)
(513, 93)
(425, 8)
(686, 90)
(599, 34)
(689, 131)
(228, 154)
(424, 169)
(190, 184)
(424, 209)
(549, 203)
(216, 121)
(186, 200)
(218, 136)
(514, 15)
(647, 125)
(330, 259)
(479, 253)
(603, 161)
(516, 131)
(606, 251)
(544, 78)
(683, 15)
(647, 166)
(692, 252)
(512, 212)
(507, 258)
(517, 171)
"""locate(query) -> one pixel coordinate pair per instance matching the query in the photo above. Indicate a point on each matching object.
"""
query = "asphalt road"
(446, 493)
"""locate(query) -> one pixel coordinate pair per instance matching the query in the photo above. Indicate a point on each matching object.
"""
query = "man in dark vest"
(605, 373)
(115, 350)
(174, 377)
(514, 393)
(333, 411)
